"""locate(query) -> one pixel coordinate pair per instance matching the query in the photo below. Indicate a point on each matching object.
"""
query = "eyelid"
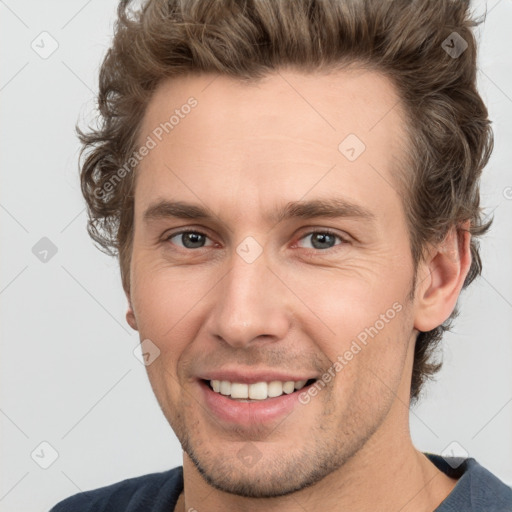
(330, 231)
(170, 234)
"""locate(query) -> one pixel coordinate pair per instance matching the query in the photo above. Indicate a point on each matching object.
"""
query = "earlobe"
(130, 315)
(441, 279)
(130, 318)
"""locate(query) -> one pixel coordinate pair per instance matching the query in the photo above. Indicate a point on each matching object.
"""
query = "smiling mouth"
(258, 391)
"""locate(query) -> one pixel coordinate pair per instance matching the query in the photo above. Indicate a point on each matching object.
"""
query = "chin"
(263, 480)
(276, 473)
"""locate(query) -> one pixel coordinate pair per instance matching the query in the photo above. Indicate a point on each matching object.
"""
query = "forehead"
(285, 136)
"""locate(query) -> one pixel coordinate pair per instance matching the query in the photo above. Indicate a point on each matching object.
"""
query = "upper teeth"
(258, 390)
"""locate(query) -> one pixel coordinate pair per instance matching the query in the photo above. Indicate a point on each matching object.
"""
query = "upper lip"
(252, 376)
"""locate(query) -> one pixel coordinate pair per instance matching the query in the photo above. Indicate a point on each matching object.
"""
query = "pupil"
(192, 240)
(322, 238)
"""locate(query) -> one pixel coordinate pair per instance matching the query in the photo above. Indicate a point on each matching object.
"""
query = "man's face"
(249, 297)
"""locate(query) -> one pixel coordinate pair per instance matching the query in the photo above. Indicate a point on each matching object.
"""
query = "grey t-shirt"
(477, 490)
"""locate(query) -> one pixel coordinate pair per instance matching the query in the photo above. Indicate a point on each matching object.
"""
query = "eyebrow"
(330, 207)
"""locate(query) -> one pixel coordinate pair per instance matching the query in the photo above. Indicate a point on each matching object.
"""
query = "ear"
(440, 278)
(130, 315)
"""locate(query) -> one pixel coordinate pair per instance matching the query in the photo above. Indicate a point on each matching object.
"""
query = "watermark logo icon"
(44, 45)
(454, 454)
(44, 455)
(454, 45)
(147, 352)
(351, 147)
(44, 250)
(249, 455)
(249, 249)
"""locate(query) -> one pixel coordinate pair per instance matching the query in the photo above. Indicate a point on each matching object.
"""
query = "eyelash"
(323, 231)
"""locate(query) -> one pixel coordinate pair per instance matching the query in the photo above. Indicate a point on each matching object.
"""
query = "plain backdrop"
(69, 376)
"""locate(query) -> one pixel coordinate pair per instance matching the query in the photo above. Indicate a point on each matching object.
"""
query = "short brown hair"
(450, 137)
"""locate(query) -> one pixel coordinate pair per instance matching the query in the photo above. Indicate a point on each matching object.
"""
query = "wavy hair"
(409, 41)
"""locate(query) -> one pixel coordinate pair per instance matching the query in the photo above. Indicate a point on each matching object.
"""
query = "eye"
(189, 239)
(323, 239)
(319, 240)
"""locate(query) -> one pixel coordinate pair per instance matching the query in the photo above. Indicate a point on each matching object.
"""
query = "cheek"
(163, 308)
(164, 298)
(361, 326)
(346, 306)
(376, 355)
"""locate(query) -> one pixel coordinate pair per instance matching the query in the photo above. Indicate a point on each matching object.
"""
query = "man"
(292, 188)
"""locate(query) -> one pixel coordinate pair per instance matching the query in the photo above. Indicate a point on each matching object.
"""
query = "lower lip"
(249, 413)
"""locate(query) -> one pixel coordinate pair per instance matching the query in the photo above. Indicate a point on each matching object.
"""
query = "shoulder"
(153, 492)
(477, 489)
(488, 493)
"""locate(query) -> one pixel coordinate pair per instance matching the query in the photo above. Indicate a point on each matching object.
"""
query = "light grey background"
(69, 375)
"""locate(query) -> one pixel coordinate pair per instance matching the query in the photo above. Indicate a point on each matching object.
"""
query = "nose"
(251, 304)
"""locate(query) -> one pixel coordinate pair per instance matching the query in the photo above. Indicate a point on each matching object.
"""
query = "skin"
(242, 151)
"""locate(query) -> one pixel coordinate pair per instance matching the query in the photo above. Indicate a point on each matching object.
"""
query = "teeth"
(256, 391)
(239, 390)
(299, 384)
(225, 387)
(275, 388)
(289, 387)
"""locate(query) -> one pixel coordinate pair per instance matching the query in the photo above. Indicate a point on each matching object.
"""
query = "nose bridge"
(250, 302)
